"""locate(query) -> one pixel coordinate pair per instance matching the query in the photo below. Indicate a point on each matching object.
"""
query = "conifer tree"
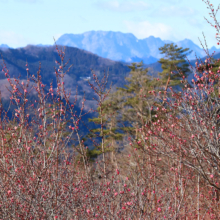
(132, 104)
(174, 64)
(110, 129)
(126, 109)
(137, 101)
(106, 134)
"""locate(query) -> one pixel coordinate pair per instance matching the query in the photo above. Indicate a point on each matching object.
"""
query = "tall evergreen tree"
(136, 97)
(109, 130)
(132, 104)
(126, 109)
(174, 64)
(105, 134)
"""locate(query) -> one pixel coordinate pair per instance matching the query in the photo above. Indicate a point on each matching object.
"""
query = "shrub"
(169, 171)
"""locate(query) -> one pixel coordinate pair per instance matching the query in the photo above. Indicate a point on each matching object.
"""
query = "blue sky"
(38, 21)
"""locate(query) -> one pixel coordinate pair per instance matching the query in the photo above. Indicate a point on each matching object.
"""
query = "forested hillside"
(83, 62)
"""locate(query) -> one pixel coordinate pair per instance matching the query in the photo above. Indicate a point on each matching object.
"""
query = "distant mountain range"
(126, 47)
(4, 47)
(76, 80)
(83, 62)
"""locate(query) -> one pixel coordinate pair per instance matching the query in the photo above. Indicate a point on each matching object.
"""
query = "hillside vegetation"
(155, 138)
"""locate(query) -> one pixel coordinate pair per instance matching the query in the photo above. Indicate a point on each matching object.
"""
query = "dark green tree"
(174, 64)
(137, 97)
(130, 106)
(125, 111)
(105, 134)
(107, 129)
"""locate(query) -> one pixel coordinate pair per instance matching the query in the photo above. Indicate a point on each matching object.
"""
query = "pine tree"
(126, 109)
(132, 104)
(137, 100)
(110, 131)
(106, 133)
(174, 64)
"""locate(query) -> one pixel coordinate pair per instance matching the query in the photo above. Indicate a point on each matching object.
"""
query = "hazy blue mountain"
(146, 60)
(125, 47)
(84, 63)
(108, 44)
(43, 45)
(168, 41)
(112, 45)
(186, 43)
(4, 47)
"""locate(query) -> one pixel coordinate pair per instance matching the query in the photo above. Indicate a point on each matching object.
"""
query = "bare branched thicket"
(169, 168)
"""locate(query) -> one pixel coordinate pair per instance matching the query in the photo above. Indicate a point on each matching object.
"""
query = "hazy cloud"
(57, 36)
(172, 1)
(145, 29)
(12, 39)
(84, 20)
(174, 11)
(125, 6)
(28, 1)
(195, 22)
(22, 1)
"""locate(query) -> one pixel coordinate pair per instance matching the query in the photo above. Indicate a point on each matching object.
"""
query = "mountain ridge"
(125, 47)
